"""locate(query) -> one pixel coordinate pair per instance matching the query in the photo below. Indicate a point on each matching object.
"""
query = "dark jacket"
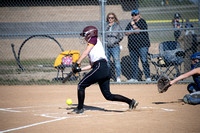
(141, 39)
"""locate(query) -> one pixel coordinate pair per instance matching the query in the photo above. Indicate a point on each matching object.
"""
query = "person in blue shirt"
(194, 72)
(193, 88)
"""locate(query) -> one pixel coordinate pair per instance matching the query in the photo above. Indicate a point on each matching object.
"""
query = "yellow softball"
(69, 101)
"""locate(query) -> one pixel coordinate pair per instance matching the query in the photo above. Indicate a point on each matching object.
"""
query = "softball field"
(43, 109)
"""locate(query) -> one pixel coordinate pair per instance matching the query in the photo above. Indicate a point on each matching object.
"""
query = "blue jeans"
(135, 54)
(115, 53)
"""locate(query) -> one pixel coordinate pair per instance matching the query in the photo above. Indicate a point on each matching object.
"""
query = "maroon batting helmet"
(89, 31)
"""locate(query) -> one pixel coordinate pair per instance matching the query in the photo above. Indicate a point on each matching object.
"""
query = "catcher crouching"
(193, 88)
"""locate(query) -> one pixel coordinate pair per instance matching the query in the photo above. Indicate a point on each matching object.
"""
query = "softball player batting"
(99, 74)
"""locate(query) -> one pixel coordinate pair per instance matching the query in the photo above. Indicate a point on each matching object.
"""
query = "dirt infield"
(43, 109)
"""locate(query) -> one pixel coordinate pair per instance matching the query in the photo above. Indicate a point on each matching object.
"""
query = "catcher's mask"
(89, 31)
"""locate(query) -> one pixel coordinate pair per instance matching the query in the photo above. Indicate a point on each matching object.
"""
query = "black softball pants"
(100, 74)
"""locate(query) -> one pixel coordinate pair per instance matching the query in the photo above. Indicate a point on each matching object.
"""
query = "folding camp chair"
(66, 59)
(169, 60)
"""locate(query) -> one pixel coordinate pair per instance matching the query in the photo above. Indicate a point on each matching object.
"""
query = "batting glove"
(76, 68)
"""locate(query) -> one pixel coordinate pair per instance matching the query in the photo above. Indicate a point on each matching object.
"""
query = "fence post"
(103, 21)
(199, 13)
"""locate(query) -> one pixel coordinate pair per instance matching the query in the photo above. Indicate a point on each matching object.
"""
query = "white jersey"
(97, 52)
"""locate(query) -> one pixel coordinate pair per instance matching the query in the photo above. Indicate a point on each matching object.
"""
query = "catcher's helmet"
(177, 15)
(89, 31)
(195, 56)
(196, 63)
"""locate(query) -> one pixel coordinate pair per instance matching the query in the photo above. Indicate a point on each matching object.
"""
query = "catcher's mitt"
(163, 84)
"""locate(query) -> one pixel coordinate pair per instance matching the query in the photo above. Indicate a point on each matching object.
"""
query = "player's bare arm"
(186, 75)
(85, 53)
(135, 27)
(86, 68)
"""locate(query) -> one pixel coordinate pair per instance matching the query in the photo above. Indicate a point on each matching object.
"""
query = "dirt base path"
(43, 109)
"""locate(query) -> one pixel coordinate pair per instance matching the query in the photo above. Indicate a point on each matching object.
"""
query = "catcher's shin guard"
(193, 98)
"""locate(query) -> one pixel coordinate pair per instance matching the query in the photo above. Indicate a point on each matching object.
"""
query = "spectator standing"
(112, 43)
(177, 25)
(138, 45)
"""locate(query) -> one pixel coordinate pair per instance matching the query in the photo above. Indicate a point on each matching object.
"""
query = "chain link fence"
(35, 33)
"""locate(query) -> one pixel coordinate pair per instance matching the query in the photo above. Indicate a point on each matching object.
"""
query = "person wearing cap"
(194, 72)
(193, 88)
(177, 25)
(138, 45)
